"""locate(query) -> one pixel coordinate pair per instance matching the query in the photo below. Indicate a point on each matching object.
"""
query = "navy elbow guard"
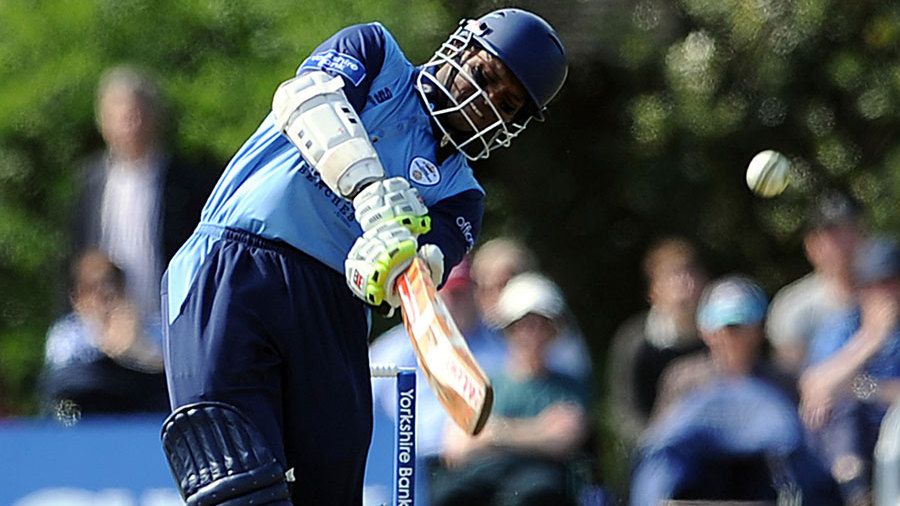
(219, 457)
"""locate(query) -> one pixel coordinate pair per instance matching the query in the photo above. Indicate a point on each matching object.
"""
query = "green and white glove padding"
(392, 215)
(391, 200)
(376, 260)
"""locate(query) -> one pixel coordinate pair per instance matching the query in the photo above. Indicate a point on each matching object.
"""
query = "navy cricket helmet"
(529, 47)
(526, 44)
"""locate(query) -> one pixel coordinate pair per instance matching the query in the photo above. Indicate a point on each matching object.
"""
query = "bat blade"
(444, 358)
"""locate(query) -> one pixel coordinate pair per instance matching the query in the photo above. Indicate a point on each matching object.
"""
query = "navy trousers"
(277, 334)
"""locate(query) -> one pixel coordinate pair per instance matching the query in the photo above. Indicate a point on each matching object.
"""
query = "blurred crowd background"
(630, 198)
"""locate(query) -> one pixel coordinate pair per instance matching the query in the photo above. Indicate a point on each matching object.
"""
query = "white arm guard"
(312, 110)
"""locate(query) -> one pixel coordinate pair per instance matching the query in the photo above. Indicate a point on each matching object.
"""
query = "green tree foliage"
(666, 103)
(218, 61)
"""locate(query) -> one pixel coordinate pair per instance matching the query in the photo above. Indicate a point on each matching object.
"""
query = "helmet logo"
(422, 171)
(476, 27)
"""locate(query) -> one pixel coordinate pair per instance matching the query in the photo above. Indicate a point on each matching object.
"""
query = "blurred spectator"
(496, 262)
(136, 202)
(737, 440)
(724, 428)
(834, 229)
(539, 419)
(730, 319)
(855, 371)
(394, 347)
(493, 265)
(100, 358)
(645, 344)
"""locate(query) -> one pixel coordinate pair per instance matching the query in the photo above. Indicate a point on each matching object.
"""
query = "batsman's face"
(484, 78)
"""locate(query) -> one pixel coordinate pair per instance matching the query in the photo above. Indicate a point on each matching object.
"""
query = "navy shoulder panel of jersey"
(356, 54)
(455, 224)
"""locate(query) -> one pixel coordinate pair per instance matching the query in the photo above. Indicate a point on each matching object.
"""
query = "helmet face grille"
(476, 143)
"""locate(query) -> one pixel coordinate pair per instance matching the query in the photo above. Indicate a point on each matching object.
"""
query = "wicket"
(405, 435)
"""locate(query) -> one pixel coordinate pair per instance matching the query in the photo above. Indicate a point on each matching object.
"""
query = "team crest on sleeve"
(424, 172)
(337, 62)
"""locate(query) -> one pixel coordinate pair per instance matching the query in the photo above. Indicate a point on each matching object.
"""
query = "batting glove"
(376, 260)
(434, 259)
(391, 200)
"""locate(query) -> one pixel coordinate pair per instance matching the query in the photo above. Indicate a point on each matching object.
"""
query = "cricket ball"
(767, 174)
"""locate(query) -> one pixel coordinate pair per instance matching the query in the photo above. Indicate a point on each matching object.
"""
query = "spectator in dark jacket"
(136, 201)
(649, 341)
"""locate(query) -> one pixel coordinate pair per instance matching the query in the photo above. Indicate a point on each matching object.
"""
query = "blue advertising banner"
(97, 462)
(115, 462)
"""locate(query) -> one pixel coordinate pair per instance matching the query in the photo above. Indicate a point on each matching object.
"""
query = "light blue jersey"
(269, 190)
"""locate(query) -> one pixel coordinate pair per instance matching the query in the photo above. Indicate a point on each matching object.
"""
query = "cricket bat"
(444, 358)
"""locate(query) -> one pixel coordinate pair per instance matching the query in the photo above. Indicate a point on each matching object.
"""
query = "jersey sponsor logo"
(342, 206)
(424, 172)
(380, 96)
(339, 63)
(466, 229)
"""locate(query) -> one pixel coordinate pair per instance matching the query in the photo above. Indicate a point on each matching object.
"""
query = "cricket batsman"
(362, 164)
